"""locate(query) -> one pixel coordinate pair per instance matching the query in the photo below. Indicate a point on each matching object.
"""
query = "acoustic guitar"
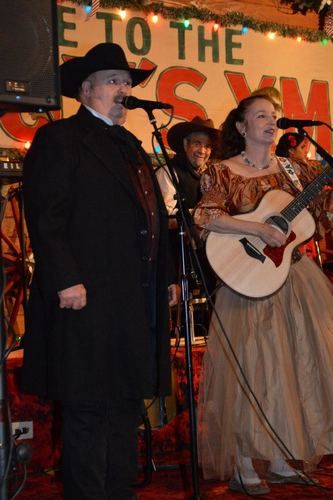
(246, 263)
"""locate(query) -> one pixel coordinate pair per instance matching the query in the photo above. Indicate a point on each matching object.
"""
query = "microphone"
(287, 123)
(131, 102)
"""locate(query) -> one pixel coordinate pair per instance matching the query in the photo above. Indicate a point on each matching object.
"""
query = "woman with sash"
(283, 342)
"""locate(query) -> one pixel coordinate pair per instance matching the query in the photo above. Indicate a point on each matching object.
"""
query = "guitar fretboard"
(309, 194)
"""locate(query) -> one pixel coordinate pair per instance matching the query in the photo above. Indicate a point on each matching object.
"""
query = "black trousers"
(99, 459)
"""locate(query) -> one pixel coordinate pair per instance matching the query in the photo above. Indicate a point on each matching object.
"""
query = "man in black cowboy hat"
(97, 329)
(194, 142)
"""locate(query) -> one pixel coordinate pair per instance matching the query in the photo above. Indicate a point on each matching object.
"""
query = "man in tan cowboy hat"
(194, 143)
(97, 329)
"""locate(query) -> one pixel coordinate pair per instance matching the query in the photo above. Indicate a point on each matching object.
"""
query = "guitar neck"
(305, 197)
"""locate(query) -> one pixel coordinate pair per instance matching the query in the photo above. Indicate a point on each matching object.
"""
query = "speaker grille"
(29, 55)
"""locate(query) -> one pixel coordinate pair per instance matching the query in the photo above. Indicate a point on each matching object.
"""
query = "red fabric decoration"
(292, 141)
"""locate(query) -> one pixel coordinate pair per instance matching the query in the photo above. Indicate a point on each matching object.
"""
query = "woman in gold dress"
(283, 342)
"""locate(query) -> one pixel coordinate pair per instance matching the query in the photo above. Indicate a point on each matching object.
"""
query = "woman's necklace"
(252, 164)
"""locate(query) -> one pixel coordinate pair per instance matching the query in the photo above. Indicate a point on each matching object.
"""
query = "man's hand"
(74, 297)
(174, 293)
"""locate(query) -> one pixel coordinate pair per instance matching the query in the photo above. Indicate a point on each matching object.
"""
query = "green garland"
(225, 20)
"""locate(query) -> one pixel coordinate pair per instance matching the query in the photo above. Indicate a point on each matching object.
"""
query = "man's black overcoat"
(87, 226)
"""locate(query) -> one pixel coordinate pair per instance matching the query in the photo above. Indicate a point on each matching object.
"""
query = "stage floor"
(170, 445)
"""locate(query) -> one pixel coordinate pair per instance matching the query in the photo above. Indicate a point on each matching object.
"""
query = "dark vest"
(189, 180)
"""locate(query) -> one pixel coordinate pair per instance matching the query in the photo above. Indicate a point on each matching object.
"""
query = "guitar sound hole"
(280, 222)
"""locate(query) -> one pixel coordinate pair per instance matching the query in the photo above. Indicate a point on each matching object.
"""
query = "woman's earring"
(244, 134)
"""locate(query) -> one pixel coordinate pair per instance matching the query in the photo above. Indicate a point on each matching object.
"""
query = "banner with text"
(198, 70)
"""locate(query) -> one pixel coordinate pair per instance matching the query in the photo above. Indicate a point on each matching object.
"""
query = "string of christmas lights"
(271, 29)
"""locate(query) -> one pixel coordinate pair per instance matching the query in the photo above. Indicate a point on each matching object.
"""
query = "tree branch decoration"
(304, 6)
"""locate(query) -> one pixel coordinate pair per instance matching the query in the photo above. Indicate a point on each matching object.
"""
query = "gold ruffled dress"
(284, 344)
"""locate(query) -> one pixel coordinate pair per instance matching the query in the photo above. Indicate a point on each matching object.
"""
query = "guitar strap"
(290, 172)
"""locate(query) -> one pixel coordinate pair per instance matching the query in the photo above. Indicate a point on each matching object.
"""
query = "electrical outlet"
(26, 428)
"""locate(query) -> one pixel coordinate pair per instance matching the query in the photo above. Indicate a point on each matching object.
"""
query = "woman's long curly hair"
(232, 142)
(288, 141)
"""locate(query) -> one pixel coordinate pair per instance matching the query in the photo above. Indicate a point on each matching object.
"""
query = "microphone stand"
(329, 159)
(323, 153)
(186, 226)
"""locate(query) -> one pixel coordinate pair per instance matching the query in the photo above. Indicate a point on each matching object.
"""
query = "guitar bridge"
(251, 250)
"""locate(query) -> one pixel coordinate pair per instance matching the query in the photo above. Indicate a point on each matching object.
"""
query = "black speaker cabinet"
(29, 73)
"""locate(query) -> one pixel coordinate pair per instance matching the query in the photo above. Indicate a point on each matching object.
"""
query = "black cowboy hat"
(103, 56)
(178, 132)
